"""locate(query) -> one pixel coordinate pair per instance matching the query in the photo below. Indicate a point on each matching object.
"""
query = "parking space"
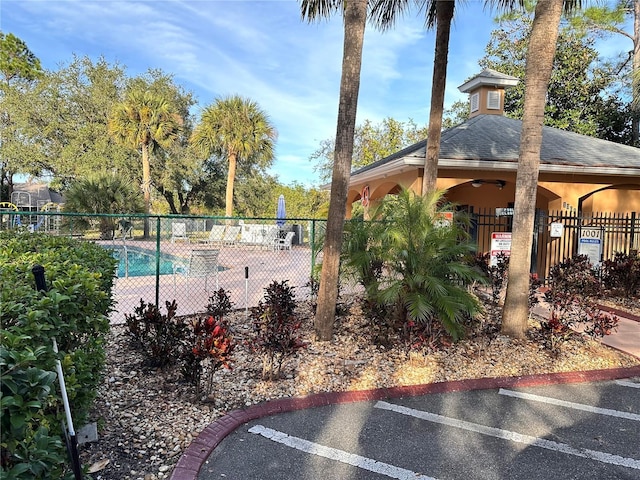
(570, 431)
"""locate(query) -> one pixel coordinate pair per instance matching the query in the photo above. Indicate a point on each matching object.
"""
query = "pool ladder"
(126, 260)
(126, 256)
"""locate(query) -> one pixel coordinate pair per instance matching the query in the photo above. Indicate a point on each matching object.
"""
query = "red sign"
(500, 244)
(365, 196)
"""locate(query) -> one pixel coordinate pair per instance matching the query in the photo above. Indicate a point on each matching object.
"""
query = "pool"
(139, 262)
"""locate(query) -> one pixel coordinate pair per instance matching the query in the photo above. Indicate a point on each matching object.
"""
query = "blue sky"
(260, 50)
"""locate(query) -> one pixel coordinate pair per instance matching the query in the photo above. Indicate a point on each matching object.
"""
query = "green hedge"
(75, 311)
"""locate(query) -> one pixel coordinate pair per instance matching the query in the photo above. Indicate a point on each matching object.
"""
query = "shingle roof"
(34, 194)
(497, 138)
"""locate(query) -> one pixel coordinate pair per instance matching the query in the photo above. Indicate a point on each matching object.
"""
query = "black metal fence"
(559, 235)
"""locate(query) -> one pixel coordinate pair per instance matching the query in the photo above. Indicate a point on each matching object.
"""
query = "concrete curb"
(620, 313)
(199, 450)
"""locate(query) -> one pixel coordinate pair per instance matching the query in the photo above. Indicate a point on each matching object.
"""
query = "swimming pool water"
(139, 263)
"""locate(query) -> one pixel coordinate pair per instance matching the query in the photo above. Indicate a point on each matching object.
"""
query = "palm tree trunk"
(355, 18)
(231, 176)
(146, 186)
(635, 77)
(444, 15)
(542, 47)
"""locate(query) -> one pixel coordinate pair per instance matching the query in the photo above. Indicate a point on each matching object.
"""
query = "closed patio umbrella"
(281, 212)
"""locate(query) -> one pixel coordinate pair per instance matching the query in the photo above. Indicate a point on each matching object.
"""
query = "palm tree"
(354, 14)
(542, 47)
(237, 129)
(410, 265)
(144, 121)
(439, 14)
(103, 193)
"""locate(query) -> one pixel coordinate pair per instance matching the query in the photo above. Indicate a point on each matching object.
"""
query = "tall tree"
(372, 142)
(144, 121)
(354, 13)
(19, 68)
(237, 129)
(439, 15)
(606, 18)
(583, 94)
(542, 47)
(62, 122)
(177, 171)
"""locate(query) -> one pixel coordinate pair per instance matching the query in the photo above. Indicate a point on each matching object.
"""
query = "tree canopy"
(583, 95)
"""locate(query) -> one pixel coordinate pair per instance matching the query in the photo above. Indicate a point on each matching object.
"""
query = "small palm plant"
(102, 192)
(413, 262)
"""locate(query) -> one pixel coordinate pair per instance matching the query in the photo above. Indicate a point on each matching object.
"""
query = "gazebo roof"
(491, 142)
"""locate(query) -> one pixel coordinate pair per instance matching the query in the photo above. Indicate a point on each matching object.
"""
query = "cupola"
(486, 92)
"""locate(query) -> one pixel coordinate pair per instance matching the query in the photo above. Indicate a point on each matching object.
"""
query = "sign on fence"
(590, 244)
(500, 244)
(444, 219)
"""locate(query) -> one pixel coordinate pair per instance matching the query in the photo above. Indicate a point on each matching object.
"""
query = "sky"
(262, 50)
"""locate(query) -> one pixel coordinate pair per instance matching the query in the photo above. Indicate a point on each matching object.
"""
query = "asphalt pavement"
(563, 426)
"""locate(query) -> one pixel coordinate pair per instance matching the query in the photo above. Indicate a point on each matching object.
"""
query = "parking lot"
(568, 431)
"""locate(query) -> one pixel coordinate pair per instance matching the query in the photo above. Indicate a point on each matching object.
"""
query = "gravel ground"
(147, 417)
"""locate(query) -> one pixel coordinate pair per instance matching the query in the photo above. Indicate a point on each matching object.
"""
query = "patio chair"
(201, 264)
(231, 235)
(284, 243)
(179, 232)
(267, 236)
(125, 229)
(215, 235)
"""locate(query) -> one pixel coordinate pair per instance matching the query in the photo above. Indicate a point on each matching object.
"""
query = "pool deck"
(265, 266)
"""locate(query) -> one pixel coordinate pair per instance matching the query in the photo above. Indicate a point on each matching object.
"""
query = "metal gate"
(620, 233)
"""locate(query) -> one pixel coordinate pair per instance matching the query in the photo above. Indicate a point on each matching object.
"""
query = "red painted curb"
(199, 450)
(620, 313)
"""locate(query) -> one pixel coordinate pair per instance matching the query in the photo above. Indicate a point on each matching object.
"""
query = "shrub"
(161, 337)
(621, 274)
(275, 328)
(572, 295)
(410, 262)
(210, 344)
(74, 310)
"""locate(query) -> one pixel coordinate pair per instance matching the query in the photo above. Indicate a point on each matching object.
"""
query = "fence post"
(157, 259)
(312, 239)
(632, 235)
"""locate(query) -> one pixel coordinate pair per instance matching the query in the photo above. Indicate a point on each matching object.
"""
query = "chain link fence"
(187, 258)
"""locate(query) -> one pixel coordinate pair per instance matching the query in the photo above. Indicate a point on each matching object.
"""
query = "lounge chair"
(179, 232)
(201, 264)
(231, 235)
(216, 235)
(284, 243)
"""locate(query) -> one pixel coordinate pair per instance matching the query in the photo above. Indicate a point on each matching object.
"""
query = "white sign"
(500, 243)
(556, 230)
(504, 212)
(590, 244)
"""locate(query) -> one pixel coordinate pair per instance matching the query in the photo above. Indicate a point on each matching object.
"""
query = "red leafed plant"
(212, 345)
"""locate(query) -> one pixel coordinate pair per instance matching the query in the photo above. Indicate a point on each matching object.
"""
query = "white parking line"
(512, 436)
(575, 406)
(627, 383)
(337, 455)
